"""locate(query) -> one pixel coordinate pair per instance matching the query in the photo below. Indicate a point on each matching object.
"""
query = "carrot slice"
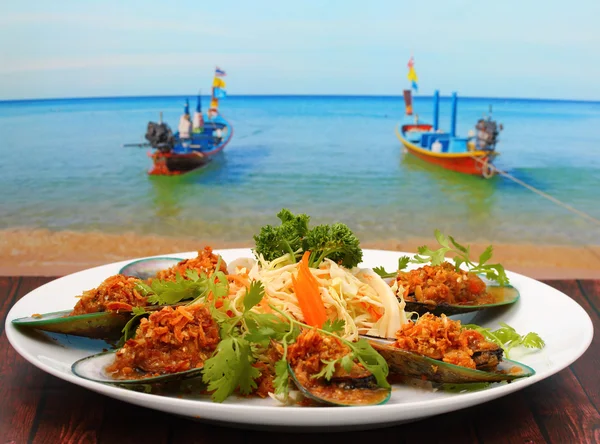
(306, 288)
(374, 313)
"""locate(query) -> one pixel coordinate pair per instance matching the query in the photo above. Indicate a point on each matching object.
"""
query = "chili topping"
(441, 338)
(443, 284)
(168, 341)
(116, 293)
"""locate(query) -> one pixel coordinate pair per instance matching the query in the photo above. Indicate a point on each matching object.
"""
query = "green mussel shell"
(405, 363)
(345, 392)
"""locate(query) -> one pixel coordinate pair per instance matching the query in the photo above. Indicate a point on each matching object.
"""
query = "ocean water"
(336, 158)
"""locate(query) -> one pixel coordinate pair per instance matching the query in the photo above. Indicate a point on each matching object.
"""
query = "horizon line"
(48, 99)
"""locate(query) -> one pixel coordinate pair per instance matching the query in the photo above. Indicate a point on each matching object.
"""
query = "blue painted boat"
(198, 139)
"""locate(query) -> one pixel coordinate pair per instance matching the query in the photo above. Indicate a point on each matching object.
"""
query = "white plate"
(541, 309)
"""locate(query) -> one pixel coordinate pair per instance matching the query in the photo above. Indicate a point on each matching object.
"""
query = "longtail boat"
(197, 140)
(469, 155)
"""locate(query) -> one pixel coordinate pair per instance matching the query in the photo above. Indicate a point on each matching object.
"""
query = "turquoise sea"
(336, 158)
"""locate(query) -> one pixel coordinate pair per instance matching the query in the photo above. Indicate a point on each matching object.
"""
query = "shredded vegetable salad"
(357, 296)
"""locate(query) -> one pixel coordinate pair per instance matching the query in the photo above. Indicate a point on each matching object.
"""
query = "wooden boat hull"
(473, 162)
(169, 164)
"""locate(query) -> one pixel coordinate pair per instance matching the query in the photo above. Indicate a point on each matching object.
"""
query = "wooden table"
(37, 407)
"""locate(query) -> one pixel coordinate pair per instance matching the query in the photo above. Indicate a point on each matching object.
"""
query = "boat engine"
(487, 134)
(160, 137)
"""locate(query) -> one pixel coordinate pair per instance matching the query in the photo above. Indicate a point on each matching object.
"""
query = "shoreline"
(42, 252)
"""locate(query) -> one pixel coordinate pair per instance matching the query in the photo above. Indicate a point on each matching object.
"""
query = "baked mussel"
(172, 343)
(438, 349)
(318, 368)
(442, 289)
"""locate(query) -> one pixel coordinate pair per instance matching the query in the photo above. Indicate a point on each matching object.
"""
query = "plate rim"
(295, 416)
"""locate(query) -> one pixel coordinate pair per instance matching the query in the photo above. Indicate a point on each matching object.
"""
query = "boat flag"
(412, 74)
(219, 88)
(218, 91)
(218, 83)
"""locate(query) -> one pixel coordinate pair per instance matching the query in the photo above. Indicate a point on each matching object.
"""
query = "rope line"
(541, 193)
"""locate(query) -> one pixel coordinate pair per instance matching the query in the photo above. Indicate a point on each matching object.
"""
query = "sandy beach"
(48, 253)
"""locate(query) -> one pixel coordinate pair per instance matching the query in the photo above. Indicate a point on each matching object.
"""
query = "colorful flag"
(412, 74)
(219, 72)
(219, 93)
(218, 83)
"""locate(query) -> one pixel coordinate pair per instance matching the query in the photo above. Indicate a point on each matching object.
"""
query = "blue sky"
(508, 48)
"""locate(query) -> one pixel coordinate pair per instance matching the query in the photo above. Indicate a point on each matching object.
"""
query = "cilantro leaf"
(264, 327)
(426, 255)
(130, 328)
(229, 368)
(336, 326)
(437, 257)
(138, 310)
(458, 246)
(165, 292)
(347, 362)
(441, 238)
(402, 264)
(508, 338)
(247, 375)
(282, 377)
(532, 340)
(327, 371)
(253, 295)
(486, 255)
(218, 285)
(383, 273)
(143, 288)
(371, 360)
